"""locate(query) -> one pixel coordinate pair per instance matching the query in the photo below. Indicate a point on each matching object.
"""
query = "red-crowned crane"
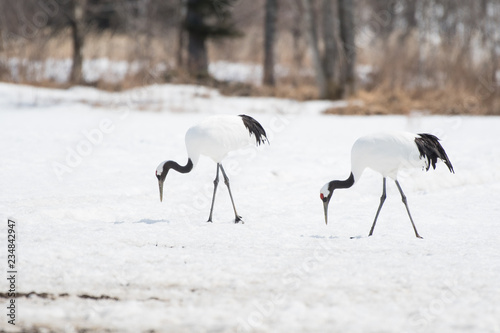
(387, 153)
(215, 137)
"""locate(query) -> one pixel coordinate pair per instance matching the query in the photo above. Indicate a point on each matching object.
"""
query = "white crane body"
(215, 137)
(387, 153)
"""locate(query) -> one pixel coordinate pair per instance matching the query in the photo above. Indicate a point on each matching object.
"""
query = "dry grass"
(447, 82)
(440, 80)
(300, 92)
(447, 102)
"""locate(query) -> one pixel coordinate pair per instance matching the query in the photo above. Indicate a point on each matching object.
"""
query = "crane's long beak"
(160, 184)
(325, 207)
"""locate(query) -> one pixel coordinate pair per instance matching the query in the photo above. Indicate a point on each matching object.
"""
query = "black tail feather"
(255, 128)
(430, 148)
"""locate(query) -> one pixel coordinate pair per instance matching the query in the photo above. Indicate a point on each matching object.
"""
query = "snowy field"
(98, 251)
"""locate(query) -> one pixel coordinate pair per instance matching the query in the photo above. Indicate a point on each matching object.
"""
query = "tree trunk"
(77, 23)
(180, 33)
(491, 17)
(197, 55)
(269, 38)
(410, 18)
(330, 55)
(347, 75)
(298, 48)
(313, 47)
(197, 50)
(384, 14)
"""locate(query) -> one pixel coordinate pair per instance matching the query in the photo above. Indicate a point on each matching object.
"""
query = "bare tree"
(409, 14)
(292, 15)
(197, 49)
(2, 25)
(490, 22)
(77, 24)
(269, 37)
(314, 48)
(330, 53)
(383, 14)
(331, 85)
(347, 35)
(206, 19)
(181, 16)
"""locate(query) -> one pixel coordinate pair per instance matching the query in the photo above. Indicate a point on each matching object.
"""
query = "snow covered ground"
(98, 251)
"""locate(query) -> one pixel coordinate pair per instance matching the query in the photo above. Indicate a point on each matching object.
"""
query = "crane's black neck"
(335, 184)
(179, 168)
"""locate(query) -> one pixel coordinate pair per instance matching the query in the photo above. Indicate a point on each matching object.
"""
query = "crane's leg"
(382, 199)
(237, 218)
(216, 182)
(403, 197)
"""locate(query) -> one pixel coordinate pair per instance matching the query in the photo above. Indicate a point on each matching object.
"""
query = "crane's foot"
(239, 219)
(209, 220)
(418, 236)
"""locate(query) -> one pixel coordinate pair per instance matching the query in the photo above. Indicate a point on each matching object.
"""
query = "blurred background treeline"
(387, 56)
